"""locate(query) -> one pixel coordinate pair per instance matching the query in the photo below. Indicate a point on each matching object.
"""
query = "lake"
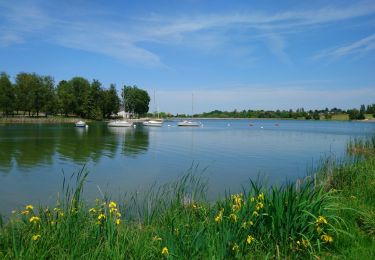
(124, 160)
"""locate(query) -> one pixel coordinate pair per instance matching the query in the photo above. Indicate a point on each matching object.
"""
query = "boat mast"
(192, 105)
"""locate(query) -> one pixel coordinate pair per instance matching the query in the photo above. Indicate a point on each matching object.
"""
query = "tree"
(354, 114)
(7, 96)
(81, 88)
(65, 97)
(136, 100)
(49, 104)
(111, 101)
(23, 92)
(316, 115)
(95, 100)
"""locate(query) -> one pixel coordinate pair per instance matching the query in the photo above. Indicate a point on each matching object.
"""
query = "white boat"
(154, 122)
(157, 123)
(189, 123)
(120, 123)
(81, 124)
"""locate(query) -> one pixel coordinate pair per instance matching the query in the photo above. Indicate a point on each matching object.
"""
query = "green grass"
(329, 216)
(340, 117)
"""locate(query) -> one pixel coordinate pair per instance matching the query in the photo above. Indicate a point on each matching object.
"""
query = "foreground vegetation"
(329, 214)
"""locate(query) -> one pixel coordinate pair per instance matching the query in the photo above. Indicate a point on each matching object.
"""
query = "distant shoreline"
(56, 120)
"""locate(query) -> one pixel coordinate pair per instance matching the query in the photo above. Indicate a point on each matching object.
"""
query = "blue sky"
(230, 54)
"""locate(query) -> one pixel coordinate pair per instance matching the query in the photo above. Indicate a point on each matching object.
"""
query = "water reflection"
(28, 146)
(136, 141)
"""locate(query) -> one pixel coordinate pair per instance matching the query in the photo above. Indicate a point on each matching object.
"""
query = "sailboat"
(121, 123)
(190, 122)
(155, 122)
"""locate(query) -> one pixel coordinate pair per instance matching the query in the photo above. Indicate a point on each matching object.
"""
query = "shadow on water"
(26, 146)
(136, 141)
(29, 146)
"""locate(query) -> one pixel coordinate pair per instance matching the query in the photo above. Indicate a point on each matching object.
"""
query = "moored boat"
(157, 123)
(81, 124)
(189, 123)
(120, 123)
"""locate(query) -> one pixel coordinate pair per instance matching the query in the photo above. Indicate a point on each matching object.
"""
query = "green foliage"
(7, 95)
(110, 101)
(355, 114)
(135, 100)
(175, 220)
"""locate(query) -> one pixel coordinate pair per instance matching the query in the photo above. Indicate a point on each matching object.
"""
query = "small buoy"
(169, 125)
(87, 126)
(134, 126)
(261, 127)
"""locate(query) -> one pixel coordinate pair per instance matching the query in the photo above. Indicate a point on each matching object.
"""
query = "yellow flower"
(321, 220)
(165, 251)
(233, 217)
(255, 213)
(237, 199)
(61, 214)
(261, 196)
(326, 238)
(101, 217)
(29, 207)
(112, 210)
(259, 206)
(305, 242)
(118, 214)
(35, 237)
(118, 221)
(34, 219)
(252, 199)
(92, 210)
(112, 204)
(219, 216)
(25, 212)
(56, 209)
(235, 247)
(250, 239)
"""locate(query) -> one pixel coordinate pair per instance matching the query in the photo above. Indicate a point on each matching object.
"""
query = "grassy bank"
(38, 120)
(329, 215)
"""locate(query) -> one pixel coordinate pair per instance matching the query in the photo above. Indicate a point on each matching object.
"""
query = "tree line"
(32, 94)
(300, 113)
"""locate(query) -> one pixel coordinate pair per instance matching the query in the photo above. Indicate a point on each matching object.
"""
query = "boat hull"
(153, 123)
(81, 124)
(189, 124)
(120, 124)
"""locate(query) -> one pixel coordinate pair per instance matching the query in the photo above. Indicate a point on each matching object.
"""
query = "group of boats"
(151, 123)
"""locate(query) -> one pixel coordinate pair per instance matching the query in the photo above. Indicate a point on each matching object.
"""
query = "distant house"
(124, 114)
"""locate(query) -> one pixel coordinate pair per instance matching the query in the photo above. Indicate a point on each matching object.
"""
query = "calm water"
(33, 157)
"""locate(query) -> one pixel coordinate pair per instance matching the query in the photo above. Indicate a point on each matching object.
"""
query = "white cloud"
(359, 47)
(91, 31)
